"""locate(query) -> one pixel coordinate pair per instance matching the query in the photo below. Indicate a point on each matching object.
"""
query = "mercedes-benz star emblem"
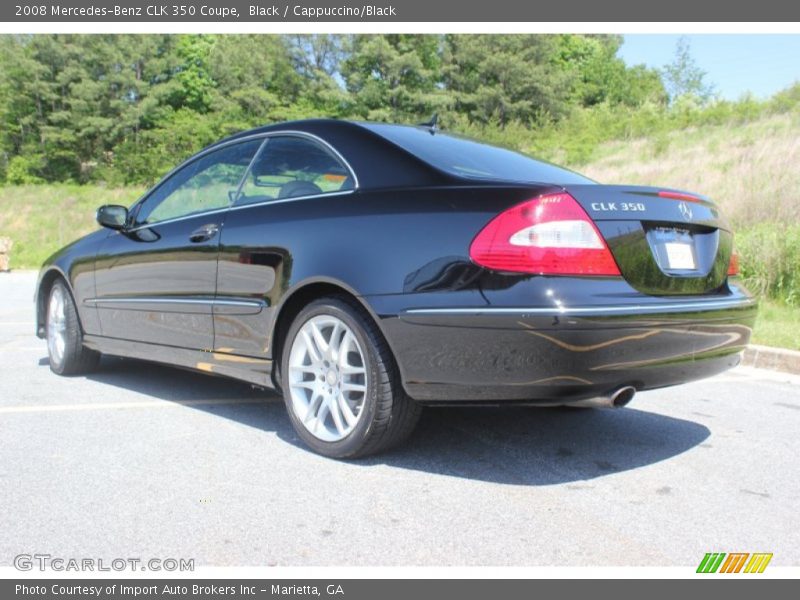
(686, 211)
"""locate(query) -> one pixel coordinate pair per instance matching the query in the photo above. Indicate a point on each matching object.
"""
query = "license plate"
(679, 256)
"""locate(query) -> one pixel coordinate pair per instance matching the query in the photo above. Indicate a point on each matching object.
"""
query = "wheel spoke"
(347, 412)
(311, 347)
(348, 370)
(314, 405)
(308, 385)
(336, 413)
(334, 343)
(347, 339)
(319, 339)
(322, 414)
(353, 387)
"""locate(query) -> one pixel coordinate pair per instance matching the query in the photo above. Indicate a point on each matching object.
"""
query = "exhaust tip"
(623, 396)
(616, 399)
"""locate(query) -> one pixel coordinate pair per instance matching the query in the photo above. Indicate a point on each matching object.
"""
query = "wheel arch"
(300, 296)
(43, 287)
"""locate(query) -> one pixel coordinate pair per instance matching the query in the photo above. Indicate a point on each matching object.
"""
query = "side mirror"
(112, 216)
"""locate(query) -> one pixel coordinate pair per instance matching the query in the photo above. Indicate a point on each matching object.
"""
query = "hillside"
(40, 219)
(749, 169)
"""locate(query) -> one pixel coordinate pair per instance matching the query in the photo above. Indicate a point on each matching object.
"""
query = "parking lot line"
(8, 348)
(114, 405)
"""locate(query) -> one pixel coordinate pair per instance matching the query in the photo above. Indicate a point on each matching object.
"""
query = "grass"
(749, 169)
(40, 219)
(777, 325)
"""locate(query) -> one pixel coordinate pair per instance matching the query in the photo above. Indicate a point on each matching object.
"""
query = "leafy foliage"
(122, 109)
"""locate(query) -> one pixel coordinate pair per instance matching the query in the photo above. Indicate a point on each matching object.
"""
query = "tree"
(394, 77)
(682, 77)
(318, 53)
(125, 108)
(195, 83)
(503, 78)
(254, 75)
(602, 76)
(318, 59)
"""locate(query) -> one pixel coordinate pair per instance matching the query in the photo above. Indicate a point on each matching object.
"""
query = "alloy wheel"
(56, 325)
(327, 378)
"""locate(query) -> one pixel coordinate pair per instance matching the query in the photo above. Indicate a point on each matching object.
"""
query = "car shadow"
(511, 445)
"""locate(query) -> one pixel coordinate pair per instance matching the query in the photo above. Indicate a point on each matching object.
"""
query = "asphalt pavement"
(141, 460)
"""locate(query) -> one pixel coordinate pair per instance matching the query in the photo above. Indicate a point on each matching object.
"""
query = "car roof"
(317, 124)
(387, 155)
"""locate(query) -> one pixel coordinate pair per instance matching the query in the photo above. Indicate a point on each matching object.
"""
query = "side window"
(208, 183)
(293, 166)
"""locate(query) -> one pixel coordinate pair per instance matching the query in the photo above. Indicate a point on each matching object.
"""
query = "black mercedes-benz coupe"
(369, 269)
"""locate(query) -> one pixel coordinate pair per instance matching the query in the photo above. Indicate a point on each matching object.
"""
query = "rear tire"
(340, 382)
(68, 355)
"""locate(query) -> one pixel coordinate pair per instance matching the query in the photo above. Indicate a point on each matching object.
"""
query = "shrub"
(770, 260)
(24, 169)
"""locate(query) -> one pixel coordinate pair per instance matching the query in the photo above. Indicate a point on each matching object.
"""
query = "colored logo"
(734, 562)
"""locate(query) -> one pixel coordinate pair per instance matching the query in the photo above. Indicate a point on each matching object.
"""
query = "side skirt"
(257, 371)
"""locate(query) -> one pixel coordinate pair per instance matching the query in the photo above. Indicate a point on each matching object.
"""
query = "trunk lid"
(665, 242)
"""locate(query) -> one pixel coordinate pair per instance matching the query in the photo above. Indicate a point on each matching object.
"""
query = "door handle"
(204, 233)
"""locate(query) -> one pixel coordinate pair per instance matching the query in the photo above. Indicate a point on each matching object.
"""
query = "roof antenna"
(433, 124)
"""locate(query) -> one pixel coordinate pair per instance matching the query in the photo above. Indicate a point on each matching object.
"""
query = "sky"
(735, 64)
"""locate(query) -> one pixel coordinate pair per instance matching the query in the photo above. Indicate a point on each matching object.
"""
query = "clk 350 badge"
(624, 206)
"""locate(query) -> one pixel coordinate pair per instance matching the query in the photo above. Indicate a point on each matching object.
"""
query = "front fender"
(74, 264)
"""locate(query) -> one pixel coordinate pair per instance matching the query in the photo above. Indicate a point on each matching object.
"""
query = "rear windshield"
(468, 158)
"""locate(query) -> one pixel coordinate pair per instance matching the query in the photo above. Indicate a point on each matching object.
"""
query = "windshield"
(468, 158)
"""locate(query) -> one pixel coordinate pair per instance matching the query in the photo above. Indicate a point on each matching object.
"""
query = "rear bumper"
(546, 354)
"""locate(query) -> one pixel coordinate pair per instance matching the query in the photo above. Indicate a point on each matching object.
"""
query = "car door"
(156, 279)
(254, 262)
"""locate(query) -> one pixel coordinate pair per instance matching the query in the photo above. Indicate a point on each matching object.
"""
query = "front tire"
(340, 382)
(68, 355)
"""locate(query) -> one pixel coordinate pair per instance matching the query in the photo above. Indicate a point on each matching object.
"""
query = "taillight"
(733, 265)
(550, 235)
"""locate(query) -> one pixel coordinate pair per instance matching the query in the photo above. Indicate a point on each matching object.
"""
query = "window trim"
(325, 146)
(134, 210)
